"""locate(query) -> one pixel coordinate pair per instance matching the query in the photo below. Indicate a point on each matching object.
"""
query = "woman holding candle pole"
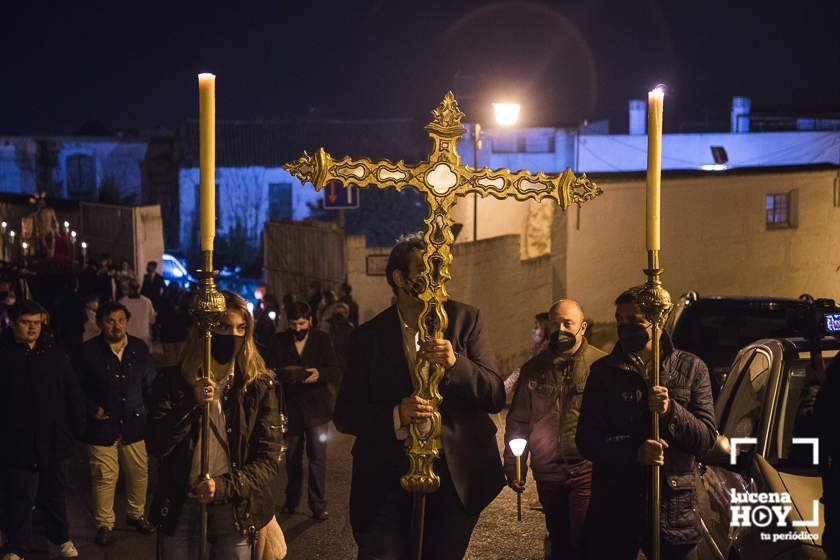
(245, 444)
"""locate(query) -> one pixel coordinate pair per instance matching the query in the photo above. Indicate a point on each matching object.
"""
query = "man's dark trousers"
(565, 504)
(315, 441)
(22, 489)
(448, 526)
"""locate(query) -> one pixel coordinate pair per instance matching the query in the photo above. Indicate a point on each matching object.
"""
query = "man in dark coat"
(153, 284)
(375, 404)
(42, 411)
(827, 417)
(306, 364)
(116, 372)
(614, 433)
(545, 412)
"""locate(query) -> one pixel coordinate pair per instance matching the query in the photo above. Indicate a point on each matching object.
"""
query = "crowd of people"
(78, 367)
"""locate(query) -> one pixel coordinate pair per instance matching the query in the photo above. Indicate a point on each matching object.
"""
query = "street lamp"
(517, 446)
(506, 115)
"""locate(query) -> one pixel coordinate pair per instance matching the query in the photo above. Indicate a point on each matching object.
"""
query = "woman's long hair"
(249, 362)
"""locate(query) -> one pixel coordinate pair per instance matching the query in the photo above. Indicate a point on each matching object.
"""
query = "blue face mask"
(633, 337)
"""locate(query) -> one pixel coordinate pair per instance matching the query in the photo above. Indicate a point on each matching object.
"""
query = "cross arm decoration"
(441, 179)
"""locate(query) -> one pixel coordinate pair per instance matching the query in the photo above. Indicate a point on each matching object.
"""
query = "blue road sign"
(340, 197)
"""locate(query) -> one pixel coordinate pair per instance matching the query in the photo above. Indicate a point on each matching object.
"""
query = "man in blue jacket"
(116, 372)
(614, 433)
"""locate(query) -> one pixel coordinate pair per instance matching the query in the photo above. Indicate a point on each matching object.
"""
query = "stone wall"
(487, 274)
(714, 238)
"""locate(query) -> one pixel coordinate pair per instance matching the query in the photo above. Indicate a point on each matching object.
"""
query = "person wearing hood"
(245, 443)
(614, 433)
(42, 411)
(544, 412)
(306, 363)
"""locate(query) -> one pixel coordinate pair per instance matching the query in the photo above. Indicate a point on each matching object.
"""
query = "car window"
(716, 332)
(743, 410)
(795, 417)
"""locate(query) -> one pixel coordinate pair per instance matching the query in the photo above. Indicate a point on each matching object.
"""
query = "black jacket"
(254, 439)
(121, 388)
(42, 409)
(377, 378)
(307, 404)
(615, 420)
(545, 411)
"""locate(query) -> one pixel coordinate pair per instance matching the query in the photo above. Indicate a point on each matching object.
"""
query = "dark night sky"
(133, 64)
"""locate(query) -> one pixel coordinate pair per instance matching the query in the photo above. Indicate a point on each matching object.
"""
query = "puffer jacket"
(255, 441)
(545, 411)
(615, 420)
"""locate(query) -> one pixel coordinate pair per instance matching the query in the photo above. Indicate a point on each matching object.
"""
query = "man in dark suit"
(306, 364)
(375, 405)
(153, 284)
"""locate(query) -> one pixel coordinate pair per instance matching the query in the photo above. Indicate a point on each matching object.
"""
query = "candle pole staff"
(653, 299)
(517, 446)
(209, 305)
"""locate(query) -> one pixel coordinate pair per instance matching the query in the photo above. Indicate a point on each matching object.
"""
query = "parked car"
(768, 395)
(173, 270)
(715, 328)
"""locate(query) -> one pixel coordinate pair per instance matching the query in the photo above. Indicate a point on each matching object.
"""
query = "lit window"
(782, 210)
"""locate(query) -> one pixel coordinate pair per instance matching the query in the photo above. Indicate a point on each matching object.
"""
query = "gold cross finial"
(441, 179)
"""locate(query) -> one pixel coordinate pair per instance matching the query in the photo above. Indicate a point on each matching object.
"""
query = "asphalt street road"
(497, 536)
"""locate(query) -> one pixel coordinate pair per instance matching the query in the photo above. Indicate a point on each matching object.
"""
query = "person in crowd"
(245, 443)
(7, 301)
(305, 361)
(68, 314)
(174, 321)
(539, 338)
(107, 287)
(140, 307)
(826, 419)
(375, 405)
(260, 291)
(116, 372)
(42, 411)
(153, 284)
(544, 412)
(345, 295)
(314, 295)
(265, 325)
(90, 328)
(124, 275)
(326, 310)
(614, 433)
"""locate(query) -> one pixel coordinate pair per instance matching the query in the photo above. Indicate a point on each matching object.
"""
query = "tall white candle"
(654, 167)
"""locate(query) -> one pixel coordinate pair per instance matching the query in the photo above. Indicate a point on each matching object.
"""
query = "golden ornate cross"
(441, 179)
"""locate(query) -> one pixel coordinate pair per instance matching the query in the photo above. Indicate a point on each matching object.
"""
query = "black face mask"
(301, 334)
(633, 337)
(562, 341)
(224, 347)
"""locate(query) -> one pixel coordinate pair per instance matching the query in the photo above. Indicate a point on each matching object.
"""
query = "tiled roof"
(261, 143)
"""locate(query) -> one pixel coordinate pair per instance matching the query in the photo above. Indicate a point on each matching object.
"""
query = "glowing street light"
(506, 113)
(517, 446)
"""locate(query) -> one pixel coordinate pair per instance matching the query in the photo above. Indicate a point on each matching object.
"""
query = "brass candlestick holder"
(655, 302)
(208, 309)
